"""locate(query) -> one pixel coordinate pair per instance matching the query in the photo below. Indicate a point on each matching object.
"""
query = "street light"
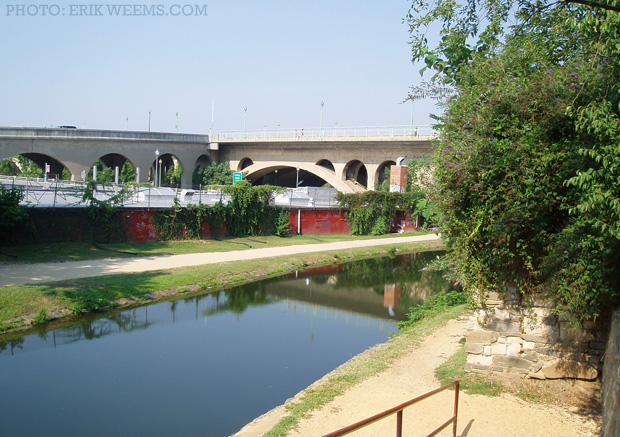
(322, 104)
(245, 115)
(149, 120)
(127, 123)
(177, 125)
(156, 161)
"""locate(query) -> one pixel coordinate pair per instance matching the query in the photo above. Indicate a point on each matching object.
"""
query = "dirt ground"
(553, 408)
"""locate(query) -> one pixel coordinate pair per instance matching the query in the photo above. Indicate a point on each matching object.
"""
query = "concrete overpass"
(347, 160)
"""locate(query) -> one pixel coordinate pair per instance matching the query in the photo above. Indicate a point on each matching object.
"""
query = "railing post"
(399, 423)
(456, 407)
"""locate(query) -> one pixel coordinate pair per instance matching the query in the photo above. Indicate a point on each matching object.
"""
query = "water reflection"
(203, 365)
(382, 288)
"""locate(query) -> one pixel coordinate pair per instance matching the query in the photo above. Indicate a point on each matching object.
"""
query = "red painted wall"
(141, 229)
(319, 222)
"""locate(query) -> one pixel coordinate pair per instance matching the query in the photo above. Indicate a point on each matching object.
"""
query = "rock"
(560, 369)
(536, 375)
(485, 337)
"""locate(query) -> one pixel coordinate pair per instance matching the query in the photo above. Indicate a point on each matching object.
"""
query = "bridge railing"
(55, 193)
(329, 133)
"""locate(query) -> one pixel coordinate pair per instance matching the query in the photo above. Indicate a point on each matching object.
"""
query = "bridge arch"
(56, 167)
(381, 175)
(244, 163)
(169, 171)
(111, 161)
(326, 163)
(356, 172)
(258, 171)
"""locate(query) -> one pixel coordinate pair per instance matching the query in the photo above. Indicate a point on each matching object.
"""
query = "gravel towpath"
(19, 274)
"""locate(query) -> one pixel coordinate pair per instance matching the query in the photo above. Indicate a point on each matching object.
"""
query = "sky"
(95, 68)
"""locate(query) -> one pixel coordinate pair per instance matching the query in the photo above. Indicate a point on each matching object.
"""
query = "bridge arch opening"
(106, 169)
(284, 176)
(356, 172)
(201, 164)
(326, 164)
(167, 171)
(244, 163)
(382, 176)
(33, 165)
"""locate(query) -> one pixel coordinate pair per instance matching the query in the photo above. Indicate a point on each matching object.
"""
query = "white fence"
(43, 193)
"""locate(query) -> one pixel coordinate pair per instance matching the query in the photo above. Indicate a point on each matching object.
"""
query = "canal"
(207, 364)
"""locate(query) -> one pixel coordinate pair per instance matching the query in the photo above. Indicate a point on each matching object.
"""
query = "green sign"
(237, 176)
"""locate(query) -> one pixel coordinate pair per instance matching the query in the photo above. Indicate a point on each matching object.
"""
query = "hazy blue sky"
(279, 59)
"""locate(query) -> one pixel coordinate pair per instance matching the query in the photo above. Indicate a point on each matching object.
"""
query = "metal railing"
(399, 414)
(51, 193)
(334, 133)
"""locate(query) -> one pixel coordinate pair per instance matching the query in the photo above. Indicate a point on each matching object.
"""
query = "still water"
(205, 365)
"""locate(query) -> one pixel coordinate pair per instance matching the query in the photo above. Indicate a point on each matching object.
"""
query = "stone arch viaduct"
(348, 164)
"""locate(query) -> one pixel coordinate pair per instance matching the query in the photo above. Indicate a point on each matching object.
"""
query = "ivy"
(371, 212)
(248, 213)
(11, 213)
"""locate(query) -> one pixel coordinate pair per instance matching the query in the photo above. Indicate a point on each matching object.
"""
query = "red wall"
(319, 222)
(140, 227)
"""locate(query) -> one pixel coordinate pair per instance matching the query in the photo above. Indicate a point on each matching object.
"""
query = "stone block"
(597, 345)
(570, 333)
(512, 339)
(561, 368)
(474, 348)
(513, 364)
(536, 375)
(528, 345)
(498, 349)
(479, 360)
(531, 356)
(485, 337)
(503, 325)
(537, 367)
(486, 350)
(513, 349)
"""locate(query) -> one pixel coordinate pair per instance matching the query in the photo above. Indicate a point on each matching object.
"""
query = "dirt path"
(412, 375)
(18, 274)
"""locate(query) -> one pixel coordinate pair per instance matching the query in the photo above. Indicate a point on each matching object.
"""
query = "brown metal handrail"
(399, 414)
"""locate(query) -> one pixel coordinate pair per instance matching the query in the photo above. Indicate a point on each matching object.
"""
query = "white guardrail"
(49, 193)
(333, 133)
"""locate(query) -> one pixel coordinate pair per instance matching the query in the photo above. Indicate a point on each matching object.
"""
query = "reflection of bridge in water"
(348, 159)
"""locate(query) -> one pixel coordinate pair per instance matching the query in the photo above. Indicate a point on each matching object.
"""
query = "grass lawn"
(24, 305)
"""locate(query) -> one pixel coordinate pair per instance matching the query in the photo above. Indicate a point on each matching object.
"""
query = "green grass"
(361, 368)
(20, 305)
(472, 383)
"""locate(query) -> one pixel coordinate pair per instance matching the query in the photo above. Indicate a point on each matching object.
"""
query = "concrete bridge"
(347, 160)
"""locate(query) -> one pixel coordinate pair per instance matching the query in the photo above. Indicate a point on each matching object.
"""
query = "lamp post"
(149, 120)
(297, 180)
(245, 115)
(411, 131)
(177, 125)
(127, 123)
(322, 104)
(156, 163)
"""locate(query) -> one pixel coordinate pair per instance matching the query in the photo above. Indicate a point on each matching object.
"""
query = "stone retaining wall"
(510, 335)
(611, 381)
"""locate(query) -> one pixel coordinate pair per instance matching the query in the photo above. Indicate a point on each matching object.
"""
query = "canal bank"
(59, 290)
(412, 358)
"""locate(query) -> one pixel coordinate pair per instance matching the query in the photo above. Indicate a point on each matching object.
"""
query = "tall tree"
(528, 165)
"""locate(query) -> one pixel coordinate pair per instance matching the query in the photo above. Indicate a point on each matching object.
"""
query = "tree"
(527, 167)
(217, 174)
(11, 213)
